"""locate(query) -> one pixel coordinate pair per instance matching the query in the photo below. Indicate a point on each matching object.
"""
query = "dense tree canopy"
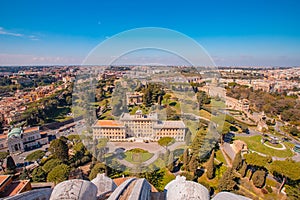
(38, 175)
(35, 155)
(58, 174)
(59, 149)
(50, 164)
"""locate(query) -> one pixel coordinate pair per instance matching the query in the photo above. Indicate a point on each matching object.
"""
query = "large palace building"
(138, 127)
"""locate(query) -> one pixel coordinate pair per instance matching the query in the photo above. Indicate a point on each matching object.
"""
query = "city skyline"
(234, 33)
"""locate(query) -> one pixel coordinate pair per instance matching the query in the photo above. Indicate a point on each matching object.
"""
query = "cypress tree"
(193, 164)
(243, 170)
(238, 161)
(210, 166)
(227, 182)
(185, 158)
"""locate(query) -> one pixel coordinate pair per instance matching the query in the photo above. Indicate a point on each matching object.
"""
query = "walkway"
(276, 148)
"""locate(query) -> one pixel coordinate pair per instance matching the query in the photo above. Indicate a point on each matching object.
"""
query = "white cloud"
(5, 32)
(11, 33)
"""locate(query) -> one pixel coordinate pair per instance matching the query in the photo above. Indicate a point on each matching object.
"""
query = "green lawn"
(220, 157)
(168, 177)
(254, 143)
(137, 157)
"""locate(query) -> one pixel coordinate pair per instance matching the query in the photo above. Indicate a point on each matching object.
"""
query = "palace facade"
(138, 127)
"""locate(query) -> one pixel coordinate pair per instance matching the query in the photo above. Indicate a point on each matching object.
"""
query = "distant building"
(20, 140)
(8, 187)
(139, 126)
(134, 98)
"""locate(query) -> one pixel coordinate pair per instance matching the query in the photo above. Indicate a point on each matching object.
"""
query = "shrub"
(98, 168)
(85, 159)
(269, 189)
(258, 178)
(137, 150)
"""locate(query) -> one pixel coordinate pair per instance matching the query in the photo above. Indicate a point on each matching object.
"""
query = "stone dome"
(75, 189)
(229, 195)
(180, 189)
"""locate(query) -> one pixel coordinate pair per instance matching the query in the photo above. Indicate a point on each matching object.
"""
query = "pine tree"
(210, 166)
(238, 161)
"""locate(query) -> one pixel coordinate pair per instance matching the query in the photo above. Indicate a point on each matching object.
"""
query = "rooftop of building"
(170, 124)
(31, 129)
(14, 187)
(109, 123)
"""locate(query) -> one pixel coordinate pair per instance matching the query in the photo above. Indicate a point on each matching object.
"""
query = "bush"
(98, 168)
(85, 159)
(269, 189)
(137, 150)
(258, 178)
(188, 175)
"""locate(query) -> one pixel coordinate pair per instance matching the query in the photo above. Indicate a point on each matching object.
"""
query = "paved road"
(20, 158)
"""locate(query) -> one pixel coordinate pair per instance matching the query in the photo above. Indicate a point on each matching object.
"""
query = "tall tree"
(210, 166)
(10, 164)
(202, 98)
(3, 155)
(243, 170)
(238, 161)
(59, 149)
(285, 170)
(185, 158)
(166, 141)
(193, 164)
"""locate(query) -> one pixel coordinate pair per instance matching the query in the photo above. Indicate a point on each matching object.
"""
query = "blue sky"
(244, 32)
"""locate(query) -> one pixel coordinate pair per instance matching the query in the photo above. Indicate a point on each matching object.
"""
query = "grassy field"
(137, 157)
(220, 157)
(254, 143)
